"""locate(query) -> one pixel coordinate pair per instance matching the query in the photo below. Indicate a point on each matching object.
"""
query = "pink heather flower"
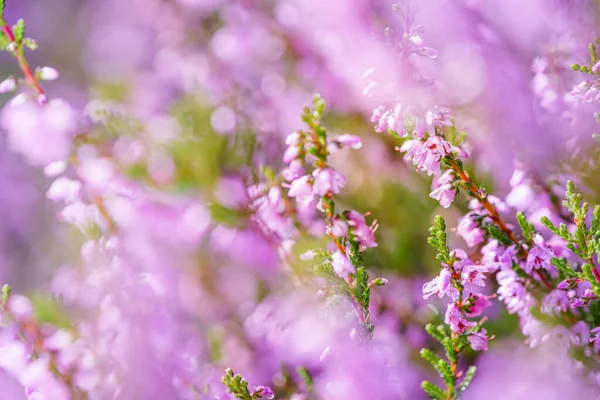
(328, 180)
(521, 197)
(441, 286)
(64, 189)
(430, 153)
(555, 302)
(339, 228)
(496, 257)
(478, 340)
(512, 291)
(461, 259)
(20, 307)
(263, 392)
(291, 153)
(472, 275)
(469, 230)
(294, 170)
(444, 194)
(360, 229)
(420, 128)
(479, 303)
(539, 256)
(596, 334)
(437, 117)
(8, 85)
(344, 141)
(341, 264)
(456, 321)
(587, 91)
(388, 118)
(48, 74)
(302, 190)
(41, 133)
(55, 168)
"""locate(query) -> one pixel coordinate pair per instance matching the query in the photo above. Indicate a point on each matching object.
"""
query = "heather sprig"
(583, 241)
(238, 386)
(13, 40)
(456, 280)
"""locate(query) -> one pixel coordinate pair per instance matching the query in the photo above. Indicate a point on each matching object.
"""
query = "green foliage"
(494, 232)
(432, 391)
(236, 385)
(306, 377)
(438, 239)
(444, 367)
(583, 242)
(5, 294)
(19, 31)
(526, 227)
(468, 378)
(50, 311)
(436, 332)
(4, 42)
(587, 69)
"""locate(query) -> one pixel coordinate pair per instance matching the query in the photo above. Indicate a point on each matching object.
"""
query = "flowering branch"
(457, 280)
(14, 40)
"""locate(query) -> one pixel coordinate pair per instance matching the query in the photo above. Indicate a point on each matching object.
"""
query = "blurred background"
(195, 96)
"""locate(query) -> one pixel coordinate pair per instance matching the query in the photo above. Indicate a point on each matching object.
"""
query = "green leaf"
(468, 378)
(450, 350)
(575, 67)
(19, 30)
(494, 232)
(430, 357)
(436, 332)
(526, 227)
(432, 391)
(236, 385)
(2, 5)
(306, 377)
(443, 367)
(4, 42)
(5, 293)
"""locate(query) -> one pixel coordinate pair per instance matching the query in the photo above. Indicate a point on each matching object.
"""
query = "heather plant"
(209, 214)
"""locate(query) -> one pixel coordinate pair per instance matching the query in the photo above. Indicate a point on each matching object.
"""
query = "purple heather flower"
(328, 180)
(478, 340)
(290, 154)
(444, 194)
(341, 264)
(339, 227)
(264, 392)
(512, 291)
(360, 229)
(472, 275)
(456, 321)
(555, 302)
(345, 140)
(429, 154)
(469, 230)
(479, 303)
(461, 259)
(496, 257)
(539, 256)
(294, 170)
(587, 91)
(302, 190)
(596, 334)
(441, 286)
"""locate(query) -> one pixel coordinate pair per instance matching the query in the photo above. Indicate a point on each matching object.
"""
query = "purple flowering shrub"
(206, 213)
